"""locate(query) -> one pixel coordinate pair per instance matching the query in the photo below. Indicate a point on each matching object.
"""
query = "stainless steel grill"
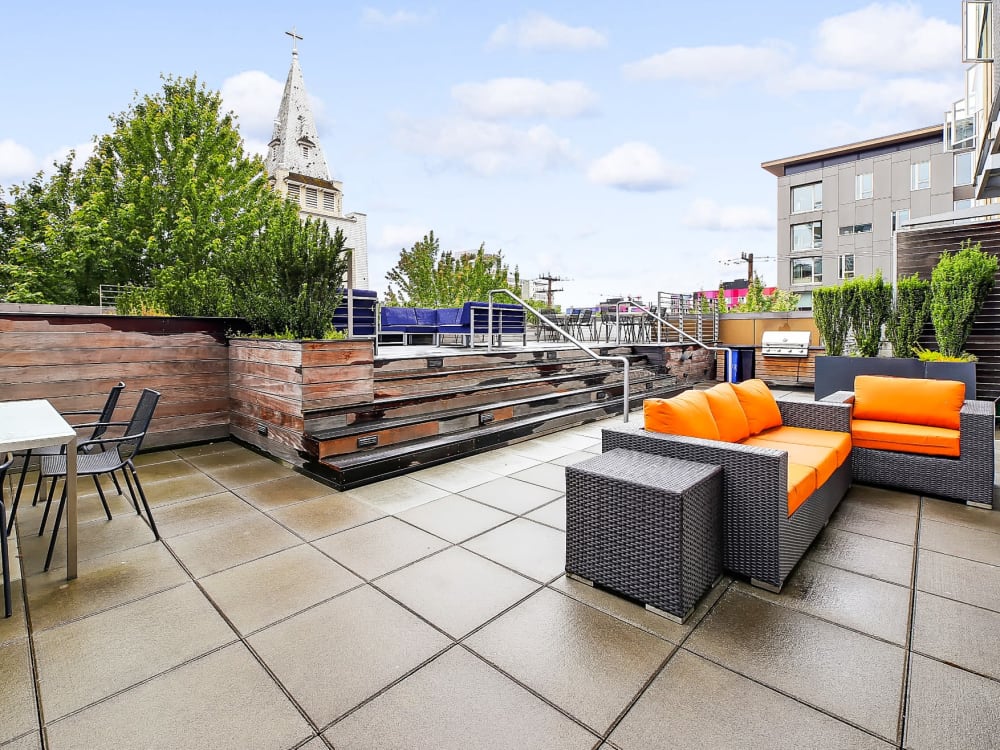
(785, 344)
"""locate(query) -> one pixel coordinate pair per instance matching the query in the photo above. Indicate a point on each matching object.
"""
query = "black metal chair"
(117, 454)
(104, 416)
(8, 609)
(584, 324)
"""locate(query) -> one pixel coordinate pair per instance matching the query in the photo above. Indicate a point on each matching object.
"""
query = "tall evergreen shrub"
(960, 283)
(909, 315)
(868, 306)
(830, 314)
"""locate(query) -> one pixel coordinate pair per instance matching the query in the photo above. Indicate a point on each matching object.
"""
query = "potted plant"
(909, 315)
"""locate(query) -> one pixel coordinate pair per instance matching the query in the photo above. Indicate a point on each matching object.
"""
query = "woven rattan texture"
(645, 526)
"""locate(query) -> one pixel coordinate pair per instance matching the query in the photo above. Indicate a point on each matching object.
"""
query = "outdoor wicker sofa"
(761, 540)
(966, 475)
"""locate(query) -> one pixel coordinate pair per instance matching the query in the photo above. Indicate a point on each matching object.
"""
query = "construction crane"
(747, 258)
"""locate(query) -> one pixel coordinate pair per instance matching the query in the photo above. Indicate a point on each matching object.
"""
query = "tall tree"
(426, 277)
(165, 197)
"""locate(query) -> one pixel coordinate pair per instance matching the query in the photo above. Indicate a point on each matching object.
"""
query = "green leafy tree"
(287, 280)
(830, 314)
(757, 301)
(165, 197)
(426, 277)
(720, 301)
(909, 315)
(960, 283)
(869, 301)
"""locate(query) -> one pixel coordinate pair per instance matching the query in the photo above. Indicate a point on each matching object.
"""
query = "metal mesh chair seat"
(87, 464)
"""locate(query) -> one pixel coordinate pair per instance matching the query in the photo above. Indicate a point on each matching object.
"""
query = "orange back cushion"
(686, 414)
(758, 404)
(729, 415)
(935, 403)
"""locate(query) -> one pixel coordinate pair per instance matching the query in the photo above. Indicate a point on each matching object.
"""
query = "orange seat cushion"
(801, 484)
(906, 438)
(729, 415)
(935, 403)
(758, 404)
(820, 458)
(686, 414)
(839, 441)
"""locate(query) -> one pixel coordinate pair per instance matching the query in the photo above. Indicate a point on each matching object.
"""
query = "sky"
(615, 145)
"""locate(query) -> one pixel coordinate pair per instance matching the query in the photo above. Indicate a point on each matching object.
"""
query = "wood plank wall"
(74, 360)
(276, 388)
(918, 250)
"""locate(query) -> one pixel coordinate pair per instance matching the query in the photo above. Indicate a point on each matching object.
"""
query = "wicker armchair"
(759, 540)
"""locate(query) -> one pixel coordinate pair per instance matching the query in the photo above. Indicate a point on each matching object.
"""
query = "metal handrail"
(579, 344)
(683, 333)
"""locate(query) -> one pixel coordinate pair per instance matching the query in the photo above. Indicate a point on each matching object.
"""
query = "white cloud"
(16, 161)
(711, 64)
(82, 152)
(376, 17)
(255, 98)
(808, 77)
(484, 147)
(401, 235)
(636, 166)
(707, 214)
(539, 32)
(909, 98)
(524, 97)
(889, 37)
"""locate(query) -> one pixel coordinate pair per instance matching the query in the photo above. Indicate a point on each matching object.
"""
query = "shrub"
(960, 283)
(909, 315)
(830, 314)
(868, 303)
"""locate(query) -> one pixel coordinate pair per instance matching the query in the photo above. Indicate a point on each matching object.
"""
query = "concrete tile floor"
(430, 611)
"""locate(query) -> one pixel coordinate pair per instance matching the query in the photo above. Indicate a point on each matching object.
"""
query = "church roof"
(294, 145)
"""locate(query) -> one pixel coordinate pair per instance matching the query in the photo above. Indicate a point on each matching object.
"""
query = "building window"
(847, 266)
(855, 229)
(977, 31)
(898, 217)
(293, 193)
(920, 175)
(329, 201)
(312, 200)
(808, 236)
(963, 168)
(863, 186)
(807, 270)
(305, 152)
(807, 197)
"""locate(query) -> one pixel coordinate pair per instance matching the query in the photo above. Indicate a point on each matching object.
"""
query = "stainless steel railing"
(684, 335)
(569, 337)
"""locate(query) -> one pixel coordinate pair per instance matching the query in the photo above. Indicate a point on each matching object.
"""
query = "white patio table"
(32, 424)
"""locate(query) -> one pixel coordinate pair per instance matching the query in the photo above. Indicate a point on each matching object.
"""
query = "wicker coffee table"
(647, 527)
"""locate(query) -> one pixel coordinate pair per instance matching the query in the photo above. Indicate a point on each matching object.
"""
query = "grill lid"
(785, 343)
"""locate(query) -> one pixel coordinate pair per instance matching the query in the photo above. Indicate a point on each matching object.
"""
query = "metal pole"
(489, 325)
(350, 300)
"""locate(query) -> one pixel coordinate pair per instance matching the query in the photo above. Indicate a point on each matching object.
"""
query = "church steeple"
(294, 145)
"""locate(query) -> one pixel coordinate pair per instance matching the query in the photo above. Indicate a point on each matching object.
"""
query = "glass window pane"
(977, 31)
(920, 175)
(963, 168)
(863, 186)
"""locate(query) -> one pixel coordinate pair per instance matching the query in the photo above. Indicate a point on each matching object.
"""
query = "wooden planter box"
(275, 385)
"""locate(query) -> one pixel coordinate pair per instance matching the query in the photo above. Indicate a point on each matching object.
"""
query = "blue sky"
(617, 145)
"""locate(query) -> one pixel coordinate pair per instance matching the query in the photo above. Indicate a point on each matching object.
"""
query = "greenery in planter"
(830, 314)
(960, 283)
(929, 355)
(869, 301)
(909, 315)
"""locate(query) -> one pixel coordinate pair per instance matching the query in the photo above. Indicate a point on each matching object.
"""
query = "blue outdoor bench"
(472, 318)
(408, 321)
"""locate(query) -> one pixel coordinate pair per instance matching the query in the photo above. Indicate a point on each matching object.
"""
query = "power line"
(549, 279)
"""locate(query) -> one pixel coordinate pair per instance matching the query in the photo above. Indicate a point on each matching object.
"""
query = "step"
(364, 467)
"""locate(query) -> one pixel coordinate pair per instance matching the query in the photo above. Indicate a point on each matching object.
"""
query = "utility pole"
(548, 278)
(748, 257)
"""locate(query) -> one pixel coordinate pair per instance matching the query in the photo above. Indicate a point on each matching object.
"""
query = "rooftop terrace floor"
(431, 611)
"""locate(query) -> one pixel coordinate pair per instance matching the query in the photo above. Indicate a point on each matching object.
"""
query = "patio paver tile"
(32, 741)
(871, 520)
(880, 498)
(223, 701)
(207, 449)
(525, 546)
(94, 539)
(155, 457)
(540, 452)
(457, 702)
(455, 518)
(124, 646)
(575, 458)
(15, 627)
(956, 578)
(701, 695)
(213, 460)
(19, 715)
(456, 590)
(512, 495)
(499, 462)
(224, 546)
(867, 555)
(322, 516)
(263, 591)
(960, 541)
(961, 515)
(201, 513)
(950, 709)
(585, 661)
(454, 477)
(161, 471)
(253, 472)
(378, 547)
(174, 490)
(934, 634)
(278, 493)
(844, 673)
(546, 475)
(553, 514)
(397, 494)
(334, 656)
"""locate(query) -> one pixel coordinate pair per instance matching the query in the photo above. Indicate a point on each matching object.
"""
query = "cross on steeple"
(294, 37)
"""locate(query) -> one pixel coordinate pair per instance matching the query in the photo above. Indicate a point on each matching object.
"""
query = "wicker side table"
(645, 526)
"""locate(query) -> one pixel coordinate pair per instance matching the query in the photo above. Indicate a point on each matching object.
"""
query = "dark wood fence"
(918, 250)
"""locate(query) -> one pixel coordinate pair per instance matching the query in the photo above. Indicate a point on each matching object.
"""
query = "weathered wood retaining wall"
(74, 360)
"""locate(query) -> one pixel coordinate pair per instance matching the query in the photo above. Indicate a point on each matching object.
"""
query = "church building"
(297, 169)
